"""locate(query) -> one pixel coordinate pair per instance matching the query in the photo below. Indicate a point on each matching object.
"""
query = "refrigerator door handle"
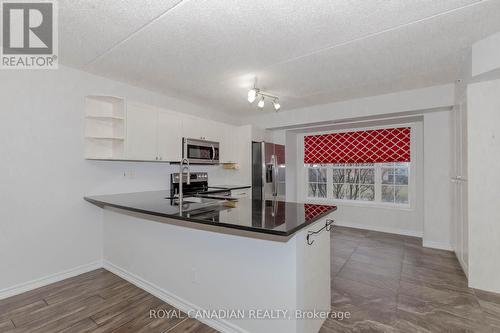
(275, 175)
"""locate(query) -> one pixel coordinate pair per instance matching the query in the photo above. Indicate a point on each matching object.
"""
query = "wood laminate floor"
(388, 283)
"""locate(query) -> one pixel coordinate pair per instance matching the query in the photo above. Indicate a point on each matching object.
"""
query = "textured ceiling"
(307, 52)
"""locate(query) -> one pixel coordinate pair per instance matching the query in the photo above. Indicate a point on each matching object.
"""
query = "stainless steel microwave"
(200, 151)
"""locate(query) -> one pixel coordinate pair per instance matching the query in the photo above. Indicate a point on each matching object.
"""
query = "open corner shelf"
(105, 126)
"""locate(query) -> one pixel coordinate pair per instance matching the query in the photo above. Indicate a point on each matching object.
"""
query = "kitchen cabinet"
(117, 129)
(200, 128)
(236, 144)
(142, 132)
(228, 144)
(153, 134)
(169, 136)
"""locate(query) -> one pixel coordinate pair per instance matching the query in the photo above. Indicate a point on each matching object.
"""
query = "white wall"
(477, 106)
(486, 55)
(483, 124)
(395, 103)
(45, 225)
(437, 175)
(459, 216)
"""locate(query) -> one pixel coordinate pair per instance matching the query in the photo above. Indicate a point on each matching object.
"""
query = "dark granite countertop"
(264, 217)
(230, 187)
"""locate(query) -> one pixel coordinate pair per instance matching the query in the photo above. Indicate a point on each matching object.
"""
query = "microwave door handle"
(213, 153)
(184, 148)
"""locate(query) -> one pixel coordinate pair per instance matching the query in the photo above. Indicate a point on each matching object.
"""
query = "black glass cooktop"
(268, 217)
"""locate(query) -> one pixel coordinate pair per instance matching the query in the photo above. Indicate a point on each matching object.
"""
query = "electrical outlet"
(130, 174)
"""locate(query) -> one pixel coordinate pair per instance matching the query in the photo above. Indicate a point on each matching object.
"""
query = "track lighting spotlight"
(252, 95)
(276, 104)
(261, 103)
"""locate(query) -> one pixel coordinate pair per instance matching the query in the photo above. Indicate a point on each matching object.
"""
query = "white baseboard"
(41, 282)
(174, 300)
(433, 245)
(464, 266)
(379, 229)
(437, 245)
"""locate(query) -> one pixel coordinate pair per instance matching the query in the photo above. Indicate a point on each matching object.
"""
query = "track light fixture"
(252, 95)
(255, 93)
(261, 103)
(276, 104)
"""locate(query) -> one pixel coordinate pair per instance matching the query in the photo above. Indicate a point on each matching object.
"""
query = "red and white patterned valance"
(373, 146)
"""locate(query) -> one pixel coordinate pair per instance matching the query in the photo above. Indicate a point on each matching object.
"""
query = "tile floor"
(390, 283)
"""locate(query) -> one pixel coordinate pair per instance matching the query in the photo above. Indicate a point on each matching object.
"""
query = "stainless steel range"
(198, 185)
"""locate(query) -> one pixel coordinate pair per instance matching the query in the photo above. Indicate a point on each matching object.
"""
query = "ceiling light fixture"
(257, 94)
(276, 104)
(261, 103)
(252, 95)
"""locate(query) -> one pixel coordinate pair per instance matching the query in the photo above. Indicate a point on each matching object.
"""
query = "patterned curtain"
(373, 146)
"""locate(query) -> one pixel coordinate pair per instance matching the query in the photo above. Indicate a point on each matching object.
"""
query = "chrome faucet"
(184, 165)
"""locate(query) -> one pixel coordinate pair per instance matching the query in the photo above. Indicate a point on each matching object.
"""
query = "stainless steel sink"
(191, 200)
(200, 201)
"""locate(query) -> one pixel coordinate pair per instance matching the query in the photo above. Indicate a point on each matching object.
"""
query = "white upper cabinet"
(200, 128)
(120, 130)
(153, 134)
(142, 132)
(169, 136)
(228, 144)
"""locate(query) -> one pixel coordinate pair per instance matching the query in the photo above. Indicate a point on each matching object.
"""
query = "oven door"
(200, 151)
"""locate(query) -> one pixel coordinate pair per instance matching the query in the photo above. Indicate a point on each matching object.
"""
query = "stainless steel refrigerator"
(268, 171)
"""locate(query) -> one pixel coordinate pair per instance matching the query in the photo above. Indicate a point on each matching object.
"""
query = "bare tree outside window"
(354, 182)
(372, 182)
(317, 182)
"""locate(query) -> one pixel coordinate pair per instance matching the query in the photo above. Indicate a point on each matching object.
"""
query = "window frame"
(308, 182)
(377, 202)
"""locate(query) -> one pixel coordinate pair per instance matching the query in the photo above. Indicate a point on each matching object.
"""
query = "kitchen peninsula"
(242, 255)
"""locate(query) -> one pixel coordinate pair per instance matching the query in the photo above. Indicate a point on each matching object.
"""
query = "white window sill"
(363, 204)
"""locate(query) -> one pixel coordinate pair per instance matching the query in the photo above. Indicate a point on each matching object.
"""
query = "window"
(353, 181)
(365, 182)
(394, 182)
(317, 181)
